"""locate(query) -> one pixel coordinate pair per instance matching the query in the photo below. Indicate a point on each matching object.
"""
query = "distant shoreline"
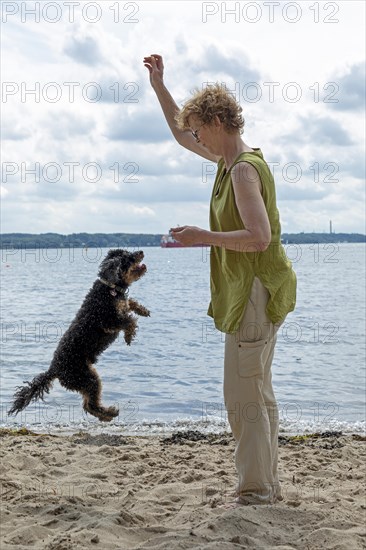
(115, 240)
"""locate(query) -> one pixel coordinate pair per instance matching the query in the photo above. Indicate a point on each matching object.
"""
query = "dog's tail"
(32, 391)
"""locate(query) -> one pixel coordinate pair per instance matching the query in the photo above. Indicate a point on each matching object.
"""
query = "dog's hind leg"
(92, 393)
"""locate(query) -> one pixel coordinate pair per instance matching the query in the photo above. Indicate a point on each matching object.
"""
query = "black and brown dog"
(105, 312)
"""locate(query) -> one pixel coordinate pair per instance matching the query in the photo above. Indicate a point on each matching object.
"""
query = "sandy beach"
(164, 493)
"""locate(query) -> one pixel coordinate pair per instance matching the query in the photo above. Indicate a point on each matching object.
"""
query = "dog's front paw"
(138, 308)
(128, 338)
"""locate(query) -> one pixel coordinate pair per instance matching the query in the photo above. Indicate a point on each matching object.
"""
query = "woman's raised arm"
(154, 64)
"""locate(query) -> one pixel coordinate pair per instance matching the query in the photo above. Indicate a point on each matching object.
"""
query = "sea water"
(171, 376)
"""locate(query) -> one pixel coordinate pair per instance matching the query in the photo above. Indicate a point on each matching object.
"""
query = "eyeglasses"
(195, 133)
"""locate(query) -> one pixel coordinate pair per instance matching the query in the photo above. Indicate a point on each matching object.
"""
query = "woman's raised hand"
(154, 64)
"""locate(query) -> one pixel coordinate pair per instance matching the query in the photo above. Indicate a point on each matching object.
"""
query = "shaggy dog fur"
(106, 311)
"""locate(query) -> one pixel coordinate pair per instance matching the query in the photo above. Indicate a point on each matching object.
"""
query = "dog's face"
(122, 267)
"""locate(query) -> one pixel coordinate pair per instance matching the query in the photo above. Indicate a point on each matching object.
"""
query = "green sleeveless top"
(233, 272)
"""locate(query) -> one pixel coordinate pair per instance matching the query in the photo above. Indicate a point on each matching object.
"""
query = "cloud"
(351, 96)
(119, 88)
(318, 130)
(354, 165)
(84, 49)
(66, 125)
(237, 66)
(181, 45)
(24, 42)
(3, 192)
(14, 130)
(326, 130)
(160, 189)
(295, 192)
(148, 126)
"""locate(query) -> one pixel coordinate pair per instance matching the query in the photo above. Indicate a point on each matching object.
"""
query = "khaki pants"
(250, 401)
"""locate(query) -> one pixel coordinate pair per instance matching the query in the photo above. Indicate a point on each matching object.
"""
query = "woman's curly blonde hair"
(214, 100)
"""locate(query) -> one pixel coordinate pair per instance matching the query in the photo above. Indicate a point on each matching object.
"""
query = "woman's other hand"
(187, 235)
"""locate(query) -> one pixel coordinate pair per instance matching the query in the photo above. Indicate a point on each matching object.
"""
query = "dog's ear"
(109, 270)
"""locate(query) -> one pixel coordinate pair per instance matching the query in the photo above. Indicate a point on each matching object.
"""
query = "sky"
(85, 146)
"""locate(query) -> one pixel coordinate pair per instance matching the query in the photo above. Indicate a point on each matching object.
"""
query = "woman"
(253, 286)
